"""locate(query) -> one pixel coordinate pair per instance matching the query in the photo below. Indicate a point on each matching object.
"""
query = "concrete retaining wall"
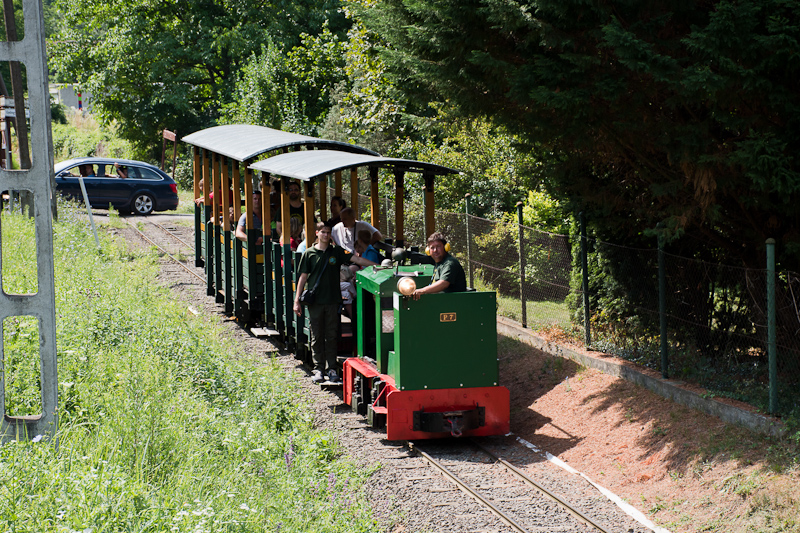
(673, 390)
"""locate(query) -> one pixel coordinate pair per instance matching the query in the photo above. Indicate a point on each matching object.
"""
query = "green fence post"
(585, 276)
(662, 307)
(522, 266)
(468, 204)
(771, 349)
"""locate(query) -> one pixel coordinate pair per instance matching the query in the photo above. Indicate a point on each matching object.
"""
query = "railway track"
(173, 235)
(520, 503)
(161, 247)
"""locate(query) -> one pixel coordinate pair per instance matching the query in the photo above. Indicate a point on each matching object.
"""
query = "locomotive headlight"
(406, 286)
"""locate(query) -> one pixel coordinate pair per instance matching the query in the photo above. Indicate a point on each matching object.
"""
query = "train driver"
(448, 274)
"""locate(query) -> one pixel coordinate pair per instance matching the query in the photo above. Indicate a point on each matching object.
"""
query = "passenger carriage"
(235, 270)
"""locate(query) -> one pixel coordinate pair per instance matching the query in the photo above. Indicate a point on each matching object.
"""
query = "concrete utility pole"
(37, 179)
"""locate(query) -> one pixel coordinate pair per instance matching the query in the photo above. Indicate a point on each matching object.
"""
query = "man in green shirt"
(448, 275)
(323, 314)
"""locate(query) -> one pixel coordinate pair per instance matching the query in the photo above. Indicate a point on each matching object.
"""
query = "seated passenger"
(345, 232)
(448, 275)
(348, 290)
(302, 246)
(296, 234)
(122, 171)
(199, 199)
(296, 207)
(241, 234)
(87, 171)
(337, 204)
(364, 248)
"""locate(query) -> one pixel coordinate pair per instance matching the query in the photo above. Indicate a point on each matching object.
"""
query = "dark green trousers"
(324, 322)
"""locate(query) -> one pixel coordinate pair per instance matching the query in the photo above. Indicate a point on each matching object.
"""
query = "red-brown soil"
(685, 470)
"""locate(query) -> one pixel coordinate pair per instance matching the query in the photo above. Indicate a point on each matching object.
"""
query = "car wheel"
(143, 204)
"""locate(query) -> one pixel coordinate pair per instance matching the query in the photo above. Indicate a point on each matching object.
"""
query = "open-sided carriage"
(236, 271)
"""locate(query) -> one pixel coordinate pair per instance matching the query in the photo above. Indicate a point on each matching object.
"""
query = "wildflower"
(288, 458)
(37, 438)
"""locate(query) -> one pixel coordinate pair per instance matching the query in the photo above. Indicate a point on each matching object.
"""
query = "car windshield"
(59, 167)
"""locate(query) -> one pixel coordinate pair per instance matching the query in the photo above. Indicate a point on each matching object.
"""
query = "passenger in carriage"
(346, 231)
(319, 271)
(296, 209)
(348, 290)
(364, 248)
(241, 234)
(275, 208)
(337, 204)
(200, 200)
(295, 234)
(448, 274)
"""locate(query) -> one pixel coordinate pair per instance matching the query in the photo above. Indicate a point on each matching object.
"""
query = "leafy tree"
(543, 212)
(679, 113)
(369, 108)
(172, 64)
(490, 166)
(290, 91)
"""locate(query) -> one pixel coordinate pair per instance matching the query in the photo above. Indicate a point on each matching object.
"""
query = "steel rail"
(571, 510)
(145, 237)
(469, 490)
(168, 232)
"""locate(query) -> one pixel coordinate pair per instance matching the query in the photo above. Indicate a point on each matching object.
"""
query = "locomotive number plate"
(447, 317)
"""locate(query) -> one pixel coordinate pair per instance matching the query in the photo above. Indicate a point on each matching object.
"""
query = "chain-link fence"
(714, 317)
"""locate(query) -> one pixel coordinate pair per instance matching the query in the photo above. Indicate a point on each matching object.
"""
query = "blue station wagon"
(129, 186)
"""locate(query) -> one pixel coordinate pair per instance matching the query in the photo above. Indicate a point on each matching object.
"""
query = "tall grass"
(163, 424)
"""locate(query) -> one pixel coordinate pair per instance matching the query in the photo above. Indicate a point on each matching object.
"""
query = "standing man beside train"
(448, 274)
(319, 270)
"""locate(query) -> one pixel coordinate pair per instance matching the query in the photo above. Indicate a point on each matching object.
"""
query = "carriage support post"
(374, 199)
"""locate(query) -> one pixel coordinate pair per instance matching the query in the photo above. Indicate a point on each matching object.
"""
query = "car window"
(72, 172)
(148, 174)
(134, 173)
(84, 170)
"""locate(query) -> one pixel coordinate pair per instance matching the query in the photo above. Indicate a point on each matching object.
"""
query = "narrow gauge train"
(422, 368)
